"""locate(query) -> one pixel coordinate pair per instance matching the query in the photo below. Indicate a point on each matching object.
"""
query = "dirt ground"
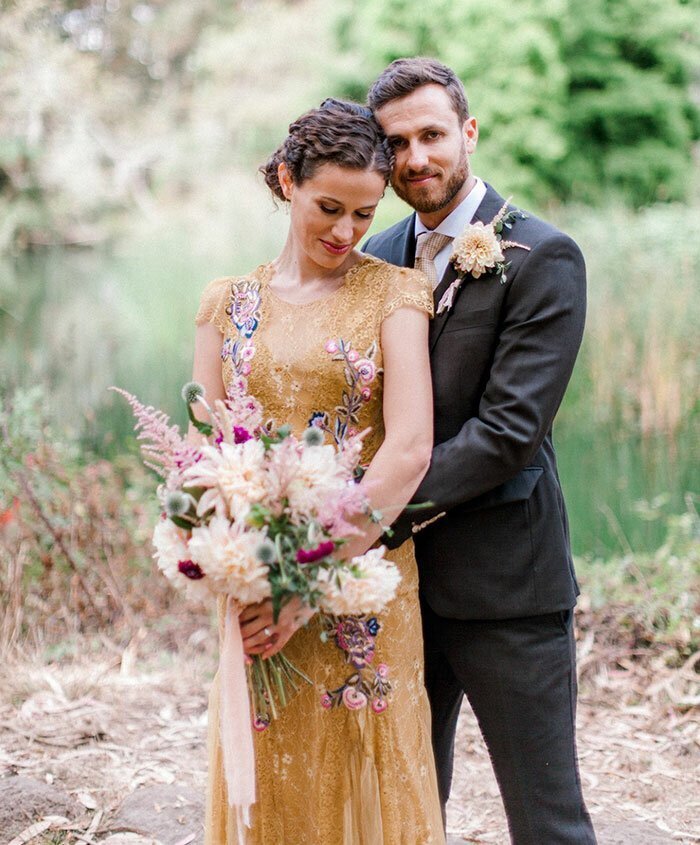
(110, 722)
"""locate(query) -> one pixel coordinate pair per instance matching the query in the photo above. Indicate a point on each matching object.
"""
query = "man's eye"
(397, 143)
(432, 136)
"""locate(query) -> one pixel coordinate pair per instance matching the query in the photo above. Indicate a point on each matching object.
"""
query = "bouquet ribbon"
(236, 730)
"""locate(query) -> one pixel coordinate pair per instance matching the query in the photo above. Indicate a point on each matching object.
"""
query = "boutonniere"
(480, 249)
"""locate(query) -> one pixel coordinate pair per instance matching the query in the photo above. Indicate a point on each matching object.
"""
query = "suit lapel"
(487, 210)
(438, 322)
(404, 246)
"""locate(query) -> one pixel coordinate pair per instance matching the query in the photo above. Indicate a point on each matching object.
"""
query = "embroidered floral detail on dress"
(360, 371)
(244, 306)
(319, 419)
(356, 636)
(244, 312)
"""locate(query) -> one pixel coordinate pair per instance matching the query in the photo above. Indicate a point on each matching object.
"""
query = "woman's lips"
(336, 249)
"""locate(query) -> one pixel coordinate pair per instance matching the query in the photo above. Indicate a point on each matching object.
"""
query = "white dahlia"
(228, 556)
(318, 475)
(365, 585)
(477, 249)
(234, 474)
(176, 561)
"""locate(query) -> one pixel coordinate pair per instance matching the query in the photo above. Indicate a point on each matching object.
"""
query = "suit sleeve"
(542, 326)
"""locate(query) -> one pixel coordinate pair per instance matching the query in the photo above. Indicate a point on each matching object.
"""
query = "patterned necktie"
(429, 244)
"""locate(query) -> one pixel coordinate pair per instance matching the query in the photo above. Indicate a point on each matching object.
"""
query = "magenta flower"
(311, 555)
(379, 705)
(326, 701)
(331, 347)
(241, 435)
(383, 670)
(190, 569)
(366, 394)
(353, 356)
(260, 724)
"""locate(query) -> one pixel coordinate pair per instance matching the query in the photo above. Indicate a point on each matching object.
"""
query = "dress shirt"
(454, 224)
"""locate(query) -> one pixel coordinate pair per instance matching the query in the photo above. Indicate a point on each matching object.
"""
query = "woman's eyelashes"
(363, 215)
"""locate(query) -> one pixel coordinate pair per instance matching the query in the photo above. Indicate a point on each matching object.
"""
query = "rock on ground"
(24, 801)
(169, 813)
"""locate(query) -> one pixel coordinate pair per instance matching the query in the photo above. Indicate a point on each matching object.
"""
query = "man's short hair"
(404, 76)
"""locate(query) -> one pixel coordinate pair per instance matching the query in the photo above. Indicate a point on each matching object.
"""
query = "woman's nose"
(342, 230)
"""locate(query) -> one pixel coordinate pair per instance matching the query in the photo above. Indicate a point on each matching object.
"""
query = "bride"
(335, 768)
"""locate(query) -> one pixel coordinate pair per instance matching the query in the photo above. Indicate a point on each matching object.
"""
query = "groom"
(497, 580)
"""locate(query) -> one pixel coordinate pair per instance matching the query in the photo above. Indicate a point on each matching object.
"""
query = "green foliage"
(575, 101)
(653, 597)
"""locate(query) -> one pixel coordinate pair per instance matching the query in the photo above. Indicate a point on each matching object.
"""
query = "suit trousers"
(519, 676)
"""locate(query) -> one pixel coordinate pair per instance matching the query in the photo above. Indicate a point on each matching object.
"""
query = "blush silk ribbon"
(235, 724)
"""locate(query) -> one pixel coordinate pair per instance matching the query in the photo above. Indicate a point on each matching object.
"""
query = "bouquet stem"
(271, 683)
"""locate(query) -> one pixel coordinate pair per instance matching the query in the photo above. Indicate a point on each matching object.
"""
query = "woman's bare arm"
(207, 370)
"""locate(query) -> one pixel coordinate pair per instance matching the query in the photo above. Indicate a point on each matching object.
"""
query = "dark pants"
(520, 678)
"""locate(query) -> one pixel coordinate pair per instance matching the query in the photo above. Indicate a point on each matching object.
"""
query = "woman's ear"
(285, 180)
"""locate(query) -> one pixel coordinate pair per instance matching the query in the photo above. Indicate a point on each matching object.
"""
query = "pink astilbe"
(164, 449)
(335, 512)
(351, 449)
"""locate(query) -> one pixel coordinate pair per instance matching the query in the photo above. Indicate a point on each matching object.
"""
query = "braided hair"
(337, 132)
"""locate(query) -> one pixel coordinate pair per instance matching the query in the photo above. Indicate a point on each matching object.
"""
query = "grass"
(653, 598)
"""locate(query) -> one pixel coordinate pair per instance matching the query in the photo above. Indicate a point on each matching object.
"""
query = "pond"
(80, 321)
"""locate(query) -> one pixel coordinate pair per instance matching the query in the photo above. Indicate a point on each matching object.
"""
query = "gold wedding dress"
(332, 776)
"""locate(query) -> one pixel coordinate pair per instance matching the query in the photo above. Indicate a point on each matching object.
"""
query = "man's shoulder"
(382, 242)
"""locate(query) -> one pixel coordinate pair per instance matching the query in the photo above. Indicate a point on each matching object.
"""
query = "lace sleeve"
(407, 288)
(212, 306)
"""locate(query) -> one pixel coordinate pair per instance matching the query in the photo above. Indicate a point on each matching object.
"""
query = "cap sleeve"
(212, 306)
(407, 287)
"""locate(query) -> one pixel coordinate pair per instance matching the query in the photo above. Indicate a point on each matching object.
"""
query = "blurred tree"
(108, 106)
(575, 101)
(91, 94)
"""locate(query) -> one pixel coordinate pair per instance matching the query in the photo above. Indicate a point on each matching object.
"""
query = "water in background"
(79, 322)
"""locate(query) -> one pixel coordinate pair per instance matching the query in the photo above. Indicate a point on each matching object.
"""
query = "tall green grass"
(640, 360)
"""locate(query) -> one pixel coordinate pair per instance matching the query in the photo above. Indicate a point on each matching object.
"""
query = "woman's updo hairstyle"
(337, 132)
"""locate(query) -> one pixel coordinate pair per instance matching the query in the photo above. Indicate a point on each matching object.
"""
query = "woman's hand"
(262, 636)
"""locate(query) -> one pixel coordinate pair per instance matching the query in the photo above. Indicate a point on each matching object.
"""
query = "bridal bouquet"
(254, 512)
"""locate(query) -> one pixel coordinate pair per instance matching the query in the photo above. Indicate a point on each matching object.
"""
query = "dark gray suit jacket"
(501, 360)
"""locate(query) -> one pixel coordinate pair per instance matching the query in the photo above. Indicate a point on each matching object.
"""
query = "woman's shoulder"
(212, 300)
(397, 287)
(216, 297)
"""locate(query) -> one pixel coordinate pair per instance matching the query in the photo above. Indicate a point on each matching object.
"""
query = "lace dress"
(335, 776)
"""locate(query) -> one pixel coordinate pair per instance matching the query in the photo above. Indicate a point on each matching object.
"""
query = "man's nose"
(417, 156)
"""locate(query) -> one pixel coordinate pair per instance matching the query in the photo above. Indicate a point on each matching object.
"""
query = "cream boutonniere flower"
(479, 249)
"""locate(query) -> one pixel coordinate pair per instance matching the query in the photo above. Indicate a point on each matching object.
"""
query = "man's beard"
(427, 205)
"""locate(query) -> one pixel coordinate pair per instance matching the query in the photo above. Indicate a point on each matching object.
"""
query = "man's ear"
(471, 134)
(285, 180)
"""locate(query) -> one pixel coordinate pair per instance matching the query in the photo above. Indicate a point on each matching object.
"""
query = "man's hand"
(262, 636)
